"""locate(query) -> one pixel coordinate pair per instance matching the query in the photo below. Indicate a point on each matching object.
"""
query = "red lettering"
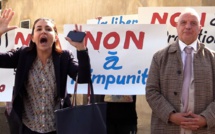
(115, 43)
(112, 40)
(202, 21)
(95, 43)
(137, 42)
(163, 19)
(20, 36)
(156, 16)
(2, 88)
(172, 19)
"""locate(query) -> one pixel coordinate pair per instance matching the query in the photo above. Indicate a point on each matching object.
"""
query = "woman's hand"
(5, 19)
(78, 45)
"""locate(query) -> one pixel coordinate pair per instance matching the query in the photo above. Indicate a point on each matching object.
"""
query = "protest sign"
(120, 56)
(169, 16)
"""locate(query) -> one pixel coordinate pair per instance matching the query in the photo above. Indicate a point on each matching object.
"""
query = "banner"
(169, 16)
(119, 19)
(120, 56)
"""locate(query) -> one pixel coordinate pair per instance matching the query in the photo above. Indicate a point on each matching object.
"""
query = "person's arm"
(84, 67)
(209, 115)
(209, 112)
(158, 103)
(10, 59)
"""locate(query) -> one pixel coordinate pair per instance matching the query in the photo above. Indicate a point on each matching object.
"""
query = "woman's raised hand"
(78, 45)
(5, 19)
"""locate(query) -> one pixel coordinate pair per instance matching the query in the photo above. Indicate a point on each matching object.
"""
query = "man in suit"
(171, 113)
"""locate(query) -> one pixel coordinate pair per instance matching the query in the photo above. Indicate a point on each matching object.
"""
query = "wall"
(78, 11)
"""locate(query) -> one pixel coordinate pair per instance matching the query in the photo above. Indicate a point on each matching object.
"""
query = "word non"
(112, 39)
(162, 18)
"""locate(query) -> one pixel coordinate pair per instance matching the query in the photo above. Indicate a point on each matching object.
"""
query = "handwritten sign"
(169, 16)
(120, 56)
(119, 19)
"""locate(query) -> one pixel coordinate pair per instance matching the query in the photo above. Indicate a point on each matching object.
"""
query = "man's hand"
(195, 121)
(188, 120)
(177, 118)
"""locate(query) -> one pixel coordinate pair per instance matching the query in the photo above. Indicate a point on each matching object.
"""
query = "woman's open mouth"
(43, 40)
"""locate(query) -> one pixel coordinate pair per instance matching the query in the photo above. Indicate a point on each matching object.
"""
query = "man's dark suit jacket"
(64, 65)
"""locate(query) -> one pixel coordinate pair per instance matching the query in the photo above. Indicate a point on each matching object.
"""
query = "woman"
(41, 76)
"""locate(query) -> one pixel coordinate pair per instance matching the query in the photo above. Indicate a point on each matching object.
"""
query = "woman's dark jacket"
(64, 65)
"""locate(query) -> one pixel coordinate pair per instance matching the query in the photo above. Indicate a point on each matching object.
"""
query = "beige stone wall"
(79, 11)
